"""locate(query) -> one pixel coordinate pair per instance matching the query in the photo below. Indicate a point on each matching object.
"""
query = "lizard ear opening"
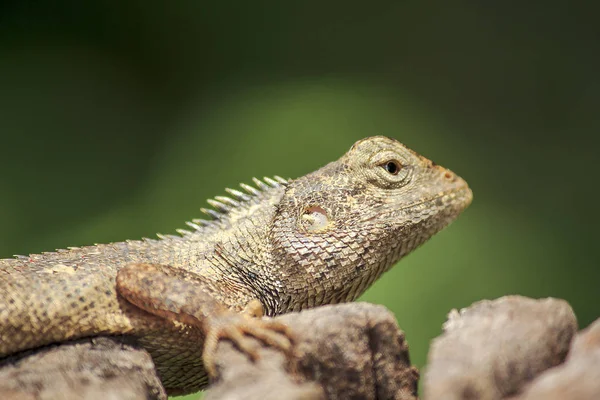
(315, 219)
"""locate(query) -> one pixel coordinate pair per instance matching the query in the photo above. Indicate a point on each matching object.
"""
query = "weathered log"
(342, 352)
(493, 348)
(92, 369)
(510, 348)
(578, 378)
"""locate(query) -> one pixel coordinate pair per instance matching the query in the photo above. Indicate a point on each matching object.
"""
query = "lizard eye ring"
(389, 169)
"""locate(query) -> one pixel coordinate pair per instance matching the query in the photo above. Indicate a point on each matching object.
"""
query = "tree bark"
(91, 369)
(512, 348)
(578, 378)
(493, 348)
(348, 351)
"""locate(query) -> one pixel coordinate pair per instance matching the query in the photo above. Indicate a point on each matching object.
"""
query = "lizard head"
(345, 224)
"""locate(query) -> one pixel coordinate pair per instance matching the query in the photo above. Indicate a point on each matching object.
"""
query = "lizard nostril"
(450, 176)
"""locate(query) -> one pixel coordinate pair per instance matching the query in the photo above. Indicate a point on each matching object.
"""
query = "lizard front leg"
(176, 294)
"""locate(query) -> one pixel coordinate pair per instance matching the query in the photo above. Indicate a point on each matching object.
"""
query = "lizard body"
(291, 245)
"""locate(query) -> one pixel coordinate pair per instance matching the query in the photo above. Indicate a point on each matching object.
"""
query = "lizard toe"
(243, 332)
(272, 333)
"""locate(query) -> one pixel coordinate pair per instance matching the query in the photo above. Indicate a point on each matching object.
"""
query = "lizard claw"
(239, 328)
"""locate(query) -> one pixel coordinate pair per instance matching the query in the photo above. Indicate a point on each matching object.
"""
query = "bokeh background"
(118, 118)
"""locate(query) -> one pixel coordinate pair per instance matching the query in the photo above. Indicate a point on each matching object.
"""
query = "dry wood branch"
(512, 346)
(493, 348)
(91, 369)
(578, 378)
(344, 351)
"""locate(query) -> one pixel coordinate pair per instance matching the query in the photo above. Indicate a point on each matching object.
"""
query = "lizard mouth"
(457, 198)
(450, 202)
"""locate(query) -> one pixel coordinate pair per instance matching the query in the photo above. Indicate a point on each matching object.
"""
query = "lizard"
(279, 246)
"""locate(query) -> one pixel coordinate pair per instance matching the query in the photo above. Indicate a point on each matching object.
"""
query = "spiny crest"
(223, 205)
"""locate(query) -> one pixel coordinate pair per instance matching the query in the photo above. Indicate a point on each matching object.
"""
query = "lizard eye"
(389, 169)
(392, 167)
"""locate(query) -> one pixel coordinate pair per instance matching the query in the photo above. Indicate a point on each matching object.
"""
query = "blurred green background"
(119, 118)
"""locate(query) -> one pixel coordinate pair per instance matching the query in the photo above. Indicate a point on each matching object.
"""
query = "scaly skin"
(320, 239)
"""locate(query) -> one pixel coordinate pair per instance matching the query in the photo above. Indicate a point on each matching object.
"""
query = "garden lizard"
(277, 247)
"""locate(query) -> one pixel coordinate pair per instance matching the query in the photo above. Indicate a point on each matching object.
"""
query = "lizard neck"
(232, 250)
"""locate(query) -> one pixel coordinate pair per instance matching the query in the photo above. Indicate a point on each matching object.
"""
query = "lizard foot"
(238, 328)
